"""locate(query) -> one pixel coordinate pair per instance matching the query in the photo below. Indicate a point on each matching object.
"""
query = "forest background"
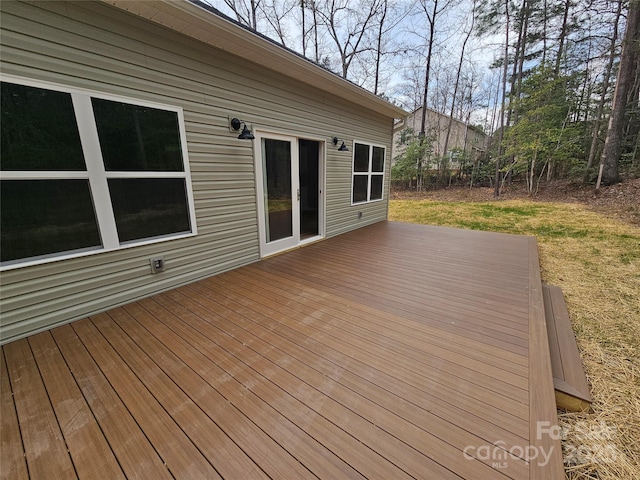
(555, 84)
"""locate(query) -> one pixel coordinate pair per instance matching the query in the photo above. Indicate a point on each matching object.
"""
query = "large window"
(82, 172)
(368, 173)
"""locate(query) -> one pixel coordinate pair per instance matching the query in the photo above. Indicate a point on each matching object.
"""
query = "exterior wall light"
(246, 133)
(343, 147)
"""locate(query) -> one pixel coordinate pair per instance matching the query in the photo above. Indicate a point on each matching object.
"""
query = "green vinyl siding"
(98, 48)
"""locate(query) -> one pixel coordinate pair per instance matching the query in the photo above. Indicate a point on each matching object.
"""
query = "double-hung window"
(368, 173)
(83, 172)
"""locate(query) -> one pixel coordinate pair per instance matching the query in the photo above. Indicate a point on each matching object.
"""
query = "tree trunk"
(385, 7)
(496, 191)
(605, 87)
(457, 83)
(514, 88)
(545, 19)
(563, 36)
(516, 81)
(626, 72)
(316, 41)
(533, 169)
(432, 21)
(523, 43)
(254, 18)
(304, 30)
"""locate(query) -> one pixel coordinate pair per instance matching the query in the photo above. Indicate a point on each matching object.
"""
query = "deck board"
(324, 305)
(395, 351)
(44, 445)
(243, 414)
(278, 298)
(406, 294)
(366, 402)
(343, 355)
(375, 427)
(132, 448)
(205, 434)
(572, 389)
(541, 398)
(92, 455)
(381, 351)
(12, 457)
(177, 450)
(303, 401)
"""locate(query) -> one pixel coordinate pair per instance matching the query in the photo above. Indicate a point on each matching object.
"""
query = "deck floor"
(395, 351)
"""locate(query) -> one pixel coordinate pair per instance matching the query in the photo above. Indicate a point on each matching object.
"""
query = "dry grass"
(596, 262)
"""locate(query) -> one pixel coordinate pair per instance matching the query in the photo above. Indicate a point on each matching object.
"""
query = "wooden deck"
(395, 351)
(569, 380)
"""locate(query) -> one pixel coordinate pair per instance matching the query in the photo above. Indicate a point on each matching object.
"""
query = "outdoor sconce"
(246, 133)
(343, 147)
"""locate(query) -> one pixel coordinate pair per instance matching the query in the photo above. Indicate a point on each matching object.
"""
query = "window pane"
(136, 138)
(41, 217)
(377, 162)
(376, 187)
(361, 158)
(39, 130)
(360, 183)
(149, 207)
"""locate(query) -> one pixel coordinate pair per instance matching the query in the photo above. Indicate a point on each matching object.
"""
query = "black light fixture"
(246, 133)
(343, 147)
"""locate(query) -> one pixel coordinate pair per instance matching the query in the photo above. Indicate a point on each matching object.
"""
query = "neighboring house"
(123, 173)
(467, 138)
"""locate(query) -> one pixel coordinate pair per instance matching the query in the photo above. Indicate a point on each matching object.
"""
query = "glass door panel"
(278, 189)
(278, 192)
(309, 158)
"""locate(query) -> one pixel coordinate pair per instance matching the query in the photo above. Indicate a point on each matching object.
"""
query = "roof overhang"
(200, 23)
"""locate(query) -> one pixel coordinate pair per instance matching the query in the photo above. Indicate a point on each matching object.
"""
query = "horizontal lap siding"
(102, 49)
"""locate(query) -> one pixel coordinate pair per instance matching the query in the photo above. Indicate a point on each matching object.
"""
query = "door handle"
(298, 194)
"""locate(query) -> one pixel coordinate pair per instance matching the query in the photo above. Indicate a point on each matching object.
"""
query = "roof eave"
(197, 22)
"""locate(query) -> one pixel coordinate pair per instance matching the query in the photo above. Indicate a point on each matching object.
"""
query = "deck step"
(569, 380)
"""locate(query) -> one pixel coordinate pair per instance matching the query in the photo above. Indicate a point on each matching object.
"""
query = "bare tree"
(432, 12)
(457, 82)
(276, 14)
(384, 7)
(410, 91)
(373, 68)
(246, 12)
(310, 33)
(303, 17)
(347, 25)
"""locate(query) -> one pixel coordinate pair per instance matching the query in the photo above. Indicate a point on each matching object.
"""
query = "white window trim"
(97, 175)
(368, 173)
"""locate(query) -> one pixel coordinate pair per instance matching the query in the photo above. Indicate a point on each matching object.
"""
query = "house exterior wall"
(463, 136)
(96, 47)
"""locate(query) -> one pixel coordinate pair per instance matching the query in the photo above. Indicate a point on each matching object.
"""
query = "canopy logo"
(498, 454)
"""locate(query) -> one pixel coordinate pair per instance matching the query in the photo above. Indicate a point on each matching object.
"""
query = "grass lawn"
(596, 262)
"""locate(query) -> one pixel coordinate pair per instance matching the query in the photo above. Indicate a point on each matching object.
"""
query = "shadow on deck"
(395, 351)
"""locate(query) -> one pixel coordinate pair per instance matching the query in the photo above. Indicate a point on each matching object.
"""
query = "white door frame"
(270, 248)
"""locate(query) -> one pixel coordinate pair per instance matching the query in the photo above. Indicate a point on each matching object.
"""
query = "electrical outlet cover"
(157, 264)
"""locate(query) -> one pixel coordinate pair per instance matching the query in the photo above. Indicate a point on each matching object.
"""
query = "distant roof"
(206, 24)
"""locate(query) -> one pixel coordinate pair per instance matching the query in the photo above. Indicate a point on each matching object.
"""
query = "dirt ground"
(620, 201)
